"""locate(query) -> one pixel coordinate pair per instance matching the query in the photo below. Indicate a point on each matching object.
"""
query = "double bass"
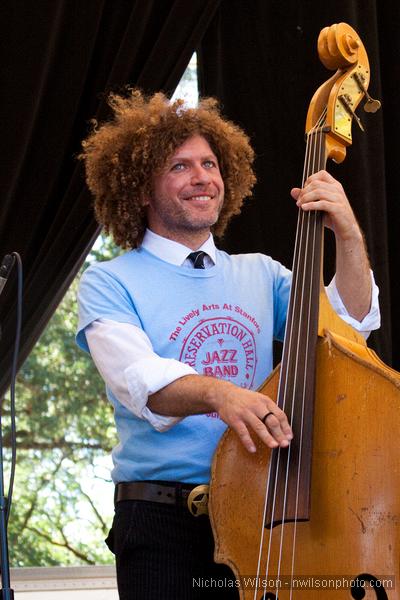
(322, 517)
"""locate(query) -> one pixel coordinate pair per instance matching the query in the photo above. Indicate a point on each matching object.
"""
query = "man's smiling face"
(188, 194)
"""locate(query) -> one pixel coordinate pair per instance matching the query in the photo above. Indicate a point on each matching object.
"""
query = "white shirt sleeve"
(125, 359)
(371, 321)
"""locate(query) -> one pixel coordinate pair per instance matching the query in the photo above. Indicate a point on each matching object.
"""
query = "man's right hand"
(243, 410)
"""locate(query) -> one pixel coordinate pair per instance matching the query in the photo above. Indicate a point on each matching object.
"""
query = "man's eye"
(177, 167)
(209, 164)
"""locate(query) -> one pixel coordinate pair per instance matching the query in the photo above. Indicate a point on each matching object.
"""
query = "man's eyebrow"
(185, 157)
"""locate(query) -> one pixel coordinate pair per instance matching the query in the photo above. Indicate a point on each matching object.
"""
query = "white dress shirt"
(125, 358)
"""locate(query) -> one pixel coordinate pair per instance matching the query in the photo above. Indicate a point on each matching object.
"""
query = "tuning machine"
(346, 101)
(371, 105)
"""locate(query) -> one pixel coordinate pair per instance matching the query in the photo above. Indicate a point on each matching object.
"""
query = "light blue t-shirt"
(221, 321)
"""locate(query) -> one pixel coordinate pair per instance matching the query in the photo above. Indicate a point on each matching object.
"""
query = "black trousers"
(164, 553)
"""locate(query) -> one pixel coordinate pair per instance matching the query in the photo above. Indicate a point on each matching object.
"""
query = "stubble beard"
(185, 222)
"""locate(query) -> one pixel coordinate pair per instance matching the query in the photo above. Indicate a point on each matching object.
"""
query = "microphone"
(5, 269)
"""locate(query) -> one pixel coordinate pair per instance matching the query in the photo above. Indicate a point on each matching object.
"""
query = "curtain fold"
(59, 60)
(262, 64)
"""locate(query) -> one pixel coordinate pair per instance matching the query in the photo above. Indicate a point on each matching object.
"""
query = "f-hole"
(358, 587)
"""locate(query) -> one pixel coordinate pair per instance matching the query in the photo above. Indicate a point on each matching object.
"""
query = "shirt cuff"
(370, 322)
(147, 376)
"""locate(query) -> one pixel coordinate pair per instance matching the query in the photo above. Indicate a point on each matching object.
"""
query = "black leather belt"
(168, 492)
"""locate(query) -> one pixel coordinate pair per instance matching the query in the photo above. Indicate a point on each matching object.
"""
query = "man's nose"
(200, 176)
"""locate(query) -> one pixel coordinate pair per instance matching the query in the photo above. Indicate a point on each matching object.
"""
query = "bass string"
(289, 336)
(305, 220)
(319, 164)
(308, 225)
(283, 379)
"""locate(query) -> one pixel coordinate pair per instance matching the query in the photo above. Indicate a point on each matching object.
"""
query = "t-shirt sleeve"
(102, 296)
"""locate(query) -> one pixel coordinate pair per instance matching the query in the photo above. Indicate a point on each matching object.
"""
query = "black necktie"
(197, 259)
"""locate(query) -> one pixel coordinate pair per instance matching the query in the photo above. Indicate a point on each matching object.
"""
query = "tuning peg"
(345, 99)
(371, 105)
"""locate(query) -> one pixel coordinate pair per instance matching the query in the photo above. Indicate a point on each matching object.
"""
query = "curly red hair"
(123, 155)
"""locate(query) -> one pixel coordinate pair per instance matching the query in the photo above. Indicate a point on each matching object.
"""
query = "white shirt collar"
(174, 252)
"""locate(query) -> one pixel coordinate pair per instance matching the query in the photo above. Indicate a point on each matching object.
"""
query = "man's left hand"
(322, 192)
(353, 280)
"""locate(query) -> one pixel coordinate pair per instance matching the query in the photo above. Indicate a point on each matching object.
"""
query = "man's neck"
(193, 240)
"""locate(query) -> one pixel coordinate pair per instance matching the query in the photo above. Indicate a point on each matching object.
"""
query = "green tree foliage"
(65, 430)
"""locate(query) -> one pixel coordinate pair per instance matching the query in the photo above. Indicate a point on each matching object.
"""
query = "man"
(182, 332)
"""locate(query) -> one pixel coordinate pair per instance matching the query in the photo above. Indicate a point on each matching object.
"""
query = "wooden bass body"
(354, 529)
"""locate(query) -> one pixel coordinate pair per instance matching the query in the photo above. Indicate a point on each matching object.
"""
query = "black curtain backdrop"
(261, 62)
(59, 57)
(258, 57)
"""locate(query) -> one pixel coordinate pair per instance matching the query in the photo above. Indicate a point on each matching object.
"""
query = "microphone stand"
(6, 592)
